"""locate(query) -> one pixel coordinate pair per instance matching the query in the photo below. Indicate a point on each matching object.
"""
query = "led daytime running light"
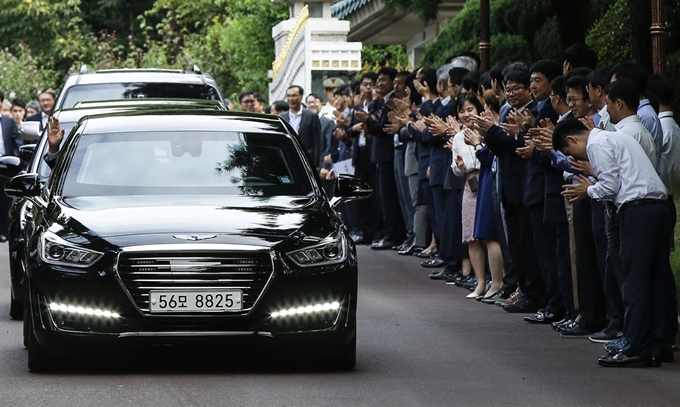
(309, 309)
(73, 309)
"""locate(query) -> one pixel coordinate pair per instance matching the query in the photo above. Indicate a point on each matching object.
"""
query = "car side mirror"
(26, 152)
(10, 166)
(349, 188)
(29, 131)
(23, 186)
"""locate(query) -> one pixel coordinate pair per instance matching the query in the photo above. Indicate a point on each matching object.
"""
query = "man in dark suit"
(366, 213)
(305, 123)
(46, 98)
(382, 155)
(10, 146)
(546, 207)
(525, 270)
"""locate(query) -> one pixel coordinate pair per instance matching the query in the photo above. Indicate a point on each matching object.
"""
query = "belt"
(645, 201)
(399, 147)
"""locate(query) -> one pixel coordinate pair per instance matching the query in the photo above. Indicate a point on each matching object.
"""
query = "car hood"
(138, 220)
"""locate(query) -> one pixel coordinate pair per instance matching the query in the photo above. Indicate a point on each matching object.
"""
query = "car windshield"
(117, 91)
(181, 163)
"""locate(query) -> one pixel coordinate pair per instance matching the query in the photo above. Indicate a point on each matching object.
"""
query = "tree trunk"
(640, 34)
(574, 19)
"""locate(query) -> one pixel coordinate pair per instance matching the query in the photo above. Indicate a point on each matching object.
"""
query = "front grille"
(142, 272)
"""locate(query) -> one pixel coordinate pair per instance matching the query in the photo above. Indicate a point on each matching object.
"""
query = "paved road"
(420, 343)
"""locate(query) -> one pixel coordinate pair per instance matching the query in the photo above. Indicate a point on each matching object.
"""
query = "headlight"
(55, 250)
(332, 250)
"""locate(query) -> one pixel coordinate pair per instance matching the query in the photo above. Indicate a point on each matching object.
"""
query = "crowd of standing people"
(545, 189)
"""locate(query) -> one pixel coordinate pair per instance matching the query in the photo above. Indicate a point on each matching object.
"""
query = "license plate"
(195, 301)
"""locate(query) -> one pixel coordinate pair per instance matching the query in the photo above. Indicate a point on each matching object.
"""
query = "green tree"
(427, 10)
(523, 31)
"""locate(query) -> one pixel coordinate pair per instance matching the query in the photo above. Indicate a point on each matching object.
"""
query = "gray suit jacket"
(309, 134)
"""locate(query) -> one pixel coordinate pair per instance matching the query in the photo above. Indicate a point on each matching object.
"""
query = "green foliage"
(425, 9)
(384, 55)
(21, 77)
(219, 35)
(610, 35)
(520, 31)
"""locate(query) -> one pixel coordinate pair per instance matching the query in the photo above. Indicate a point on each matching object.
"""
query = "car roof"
(152, 103)
(165, 120)
(148, 75)
(114, 106)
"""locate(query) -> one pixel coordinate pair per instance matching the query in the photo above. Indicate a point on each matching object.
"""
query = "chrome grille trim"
(195, 268)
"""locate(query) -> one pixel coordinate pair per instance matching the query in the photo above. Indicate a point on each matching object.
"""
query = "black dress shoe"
(433, 263)
(409, 250)
(425, 254)
(382, 245)
(3, 238)
(541, 317)
(524, 305)
(491, 299)
(453, 277)
(442, 274)
(621, 360)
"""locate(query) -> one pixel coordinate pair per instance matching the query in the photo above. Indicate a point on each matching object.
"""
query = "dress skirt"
(485, 223)
(469, 207)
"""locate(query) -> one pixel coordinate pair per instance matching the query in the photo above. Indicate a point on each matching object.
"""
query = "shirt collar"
(643, 102)
(446, 101)
(666, 114)
(299, 113)
(630, 119)
(564, 116)
(388, 96)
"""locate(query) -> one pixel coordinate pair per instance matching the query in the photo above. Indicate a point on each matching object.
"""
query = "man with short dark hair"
(579, 55)
(635, 73)
(546, 207)
(525, 271)
(382, 155)
(46, 99)
(305, 123)
(246, 101)
(626, 178)
(260, 102)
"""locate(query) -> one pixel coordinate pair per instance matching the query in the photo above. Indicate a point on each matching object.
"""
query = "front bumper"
(60, 331)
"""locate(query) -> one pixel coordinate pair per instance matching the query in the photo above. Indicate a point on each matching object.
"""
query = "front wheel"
(345, 358)
(16, 308)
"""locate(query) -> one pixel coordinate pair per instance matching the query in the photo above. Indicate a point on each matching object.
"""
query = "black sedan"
(185, 227)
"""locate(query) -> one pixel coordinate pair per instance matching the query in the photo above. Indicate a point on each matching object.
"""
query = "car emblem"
(194, 238)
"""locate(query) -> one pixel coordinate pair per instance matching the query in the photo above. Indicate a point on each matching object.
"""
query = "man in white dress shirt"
(626, 177)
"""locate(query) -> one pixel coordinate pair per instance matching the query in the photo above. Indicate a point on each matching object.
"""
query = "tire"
(16, 309)
(38, 360)
(345, 358)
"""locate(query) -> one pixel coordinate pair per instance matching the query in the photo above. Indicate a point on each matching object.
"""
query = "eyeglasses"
(248, 101)
(510, 91)
(574, 100)
(367, 84)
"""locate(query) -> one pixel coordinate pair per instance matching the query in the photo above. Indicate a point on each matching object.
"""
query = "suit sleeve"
(16, 140)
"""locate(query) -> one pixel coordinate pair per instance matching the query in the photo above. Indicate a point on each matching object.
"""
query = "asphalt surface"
(420, 343)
